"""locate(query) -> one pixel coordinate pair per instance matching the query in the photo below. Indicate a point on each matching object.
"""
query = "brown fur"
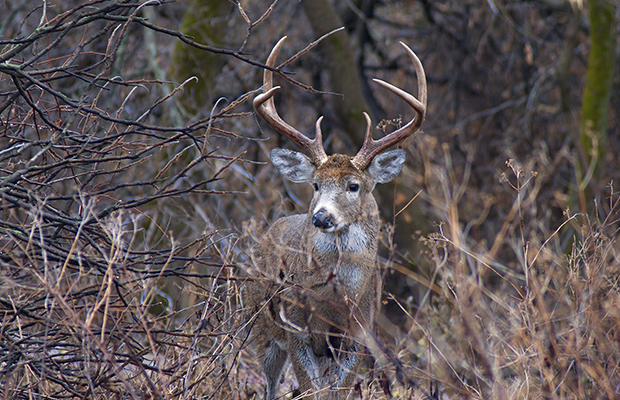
(318, 296)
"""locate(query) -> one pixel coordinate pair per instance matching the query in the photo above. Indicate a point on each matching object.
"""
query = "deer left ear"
(386, 166)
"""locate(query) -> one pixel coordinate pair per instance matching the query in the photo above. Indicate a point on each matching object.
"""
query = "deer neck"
(353, 240)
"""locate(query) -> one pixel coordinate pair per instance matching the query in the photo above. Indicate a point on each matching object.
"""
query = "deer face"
(340, 188)
(341, 183)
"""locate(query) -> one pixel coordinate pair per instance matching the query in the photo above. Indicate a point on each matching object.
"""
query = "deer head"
(341, 183)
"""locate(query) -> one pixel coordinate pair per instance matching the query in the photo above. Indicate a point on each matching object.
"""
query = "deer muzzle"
(322, 220)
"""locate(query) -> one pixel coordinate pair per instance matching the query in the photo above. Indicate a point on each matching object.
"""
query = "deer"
(316, 283)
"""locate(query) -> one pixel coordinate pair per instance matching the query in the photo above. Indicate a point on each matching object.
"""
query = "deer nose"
(322, 220)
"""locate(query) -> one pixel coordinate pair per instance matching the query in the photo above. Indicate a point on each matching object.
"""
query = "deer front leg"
(273, 363)
(306, 366)
(345, 365)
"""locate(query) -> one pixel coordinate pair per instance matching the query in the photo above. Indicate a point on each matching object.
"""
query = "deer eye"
(316, 187)
(353, 187)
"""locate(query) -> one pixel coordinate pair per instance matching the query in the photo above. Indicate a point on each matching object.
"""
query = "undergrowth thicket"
(123, 216)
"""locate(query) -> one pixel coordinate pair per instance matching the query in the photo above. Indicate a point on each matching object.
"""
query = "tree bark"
(341, 67)
(598, 85)
(204, 21)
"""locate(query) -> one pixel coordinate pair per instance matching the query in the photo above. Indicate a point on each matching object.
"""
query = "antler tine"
(264, 105)
(373, 147)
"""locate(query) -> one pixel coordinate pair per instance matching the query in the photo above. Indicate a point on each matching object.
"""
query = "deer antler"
(373, 147)
(265, 106)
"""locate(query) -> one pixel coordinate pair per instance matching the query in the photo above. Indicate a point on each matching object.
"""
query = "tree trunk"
(341, 66)
(204, 21)
(597, 90)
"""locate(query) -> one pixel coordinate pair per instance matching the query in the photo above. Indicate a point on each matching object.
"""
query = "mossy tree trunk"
(596, 99)
(205, 21)
(598, 85)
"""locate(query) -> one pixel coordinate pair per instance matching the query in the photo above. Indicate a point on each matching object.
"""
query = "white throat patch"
(353, 240)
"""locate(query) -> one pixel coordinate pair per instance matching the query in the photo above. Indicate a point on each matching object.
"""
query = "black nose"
(321, 220)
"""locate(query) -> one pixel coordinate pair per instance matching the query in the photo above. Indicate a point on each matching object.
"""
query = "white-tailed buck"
(316, 284)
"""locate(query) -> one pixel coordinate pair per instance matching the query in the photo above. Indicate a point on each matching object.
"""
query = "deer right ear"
(294, 166)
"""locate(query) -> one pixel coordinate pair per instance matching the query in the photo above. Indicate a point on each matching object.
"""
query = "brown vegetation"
(124, 217)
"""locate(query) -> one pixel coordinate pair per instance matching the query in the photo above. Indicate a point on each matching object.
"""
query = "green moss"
(206, 22)
(597, 90)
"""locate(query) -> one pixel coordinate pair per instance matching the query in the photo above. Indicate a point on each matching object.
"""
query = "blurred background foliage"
(134, 175)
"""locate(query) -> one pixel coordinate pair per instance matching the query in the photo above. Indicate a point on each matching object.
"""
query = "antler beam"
(373, 147)
(265, 106)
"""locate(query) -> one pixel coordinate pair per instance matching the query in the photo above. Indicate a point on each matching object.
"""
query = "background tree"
(597, 90)
(204, 22)
(127, 201)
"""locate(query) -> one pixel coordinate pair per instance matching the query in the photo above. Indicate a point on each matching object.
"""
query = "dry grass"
(122, 216)
(544, 325)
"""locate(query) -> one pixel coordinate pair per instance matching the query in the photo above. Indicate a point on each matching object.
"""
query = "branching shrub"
(122, 214)
(98, 296)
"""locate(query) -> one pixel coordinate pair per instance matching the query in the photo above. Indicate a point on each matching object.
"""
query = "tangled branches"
(85, 205)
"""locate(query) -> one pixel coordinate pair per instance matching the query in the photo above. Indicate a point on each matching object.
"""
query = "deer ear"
(386, 166)
(294, 166)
